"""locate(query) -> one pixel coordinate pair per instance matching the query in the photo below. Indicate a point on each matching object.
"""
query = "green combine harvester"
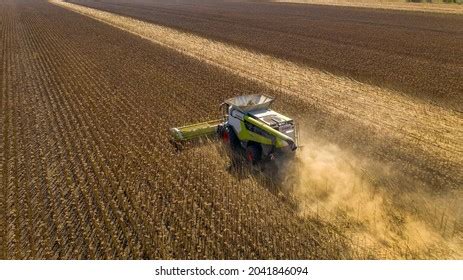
(249, 125)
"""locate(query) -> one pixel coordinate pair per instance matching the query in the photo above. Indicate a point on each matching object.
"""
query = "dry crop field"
(87, 170)
(436, 6)
(416, 53)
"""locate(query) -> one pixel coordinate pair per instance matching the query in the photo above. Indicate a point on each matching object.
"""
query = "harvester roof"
(248, 103)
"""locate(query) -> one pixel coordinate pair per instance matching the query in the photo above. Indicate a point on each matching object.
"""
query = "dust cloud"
(383, 213)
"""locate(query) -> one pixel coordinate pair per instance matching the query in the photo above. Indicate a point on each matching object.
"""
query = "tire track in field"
(433, 130)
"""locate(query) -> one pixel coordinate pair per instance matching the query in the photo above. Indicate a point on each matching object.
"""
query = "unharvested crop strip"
(434, 129)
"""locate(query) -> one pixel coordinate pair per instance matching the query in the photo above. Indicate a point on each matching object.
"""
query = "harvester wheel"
(253, 153)
(233, 138)
(225, 136)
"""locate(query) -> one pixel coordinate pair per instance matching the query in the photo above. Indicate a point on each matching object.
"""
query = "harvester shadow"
(277, 177)
(272, 175)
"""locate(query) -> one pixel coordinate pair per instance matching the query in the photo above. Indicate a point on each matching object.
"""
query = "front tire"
(253, 153)
(233, 138)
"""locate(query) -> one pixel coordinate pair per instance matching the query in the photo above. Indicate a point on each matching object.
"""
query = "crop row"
(88, 170)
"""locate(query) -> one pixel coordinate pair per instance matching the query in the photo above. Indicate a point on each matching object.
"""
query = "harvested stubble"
(87, 169)
(320, 92)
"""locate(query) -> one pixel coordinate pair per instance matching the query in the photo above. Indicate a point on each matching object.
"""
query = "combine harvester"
(249, 125)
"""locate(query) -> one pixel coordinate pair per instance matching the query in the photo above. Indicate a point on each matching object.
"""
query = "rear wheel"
(232, 138)
(253, 153)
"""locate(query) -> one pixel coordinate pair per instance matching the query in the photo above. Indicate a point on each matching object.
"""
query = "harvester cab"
(248, 124)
